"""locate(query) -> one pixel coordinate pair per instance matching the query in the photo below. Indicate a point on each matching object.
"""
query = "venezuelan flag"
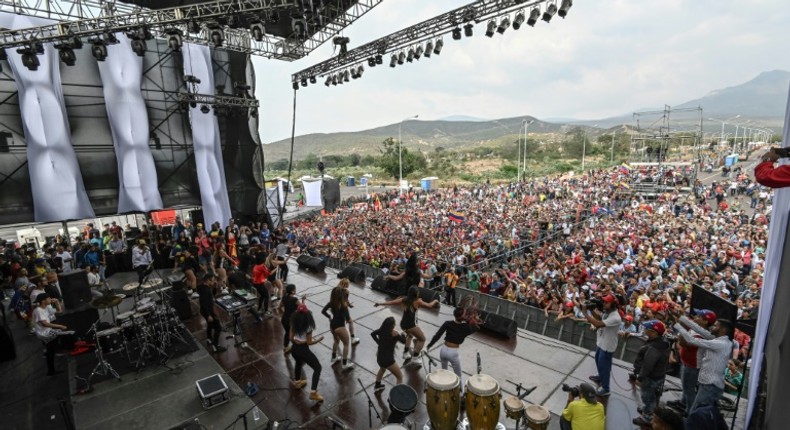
(456, 216)
(625, 168)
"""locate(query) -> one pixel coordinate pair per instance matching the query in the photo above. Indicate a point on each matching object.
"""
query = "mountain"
(763, 97)
(462, 118)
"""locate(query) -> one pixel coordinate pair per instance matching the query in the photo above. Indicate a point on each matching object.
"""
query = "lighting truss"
(92, 17)
(218, 100)
(426, 31)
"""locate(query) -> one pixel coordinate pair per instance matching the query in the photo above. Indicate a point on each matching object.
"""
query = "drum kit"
(151, 326)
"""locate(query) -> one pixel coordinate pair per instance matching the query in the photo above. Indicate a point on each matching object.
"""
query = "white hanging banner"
(206, 139)
(312, 193)
(55, 176)
(121, 75)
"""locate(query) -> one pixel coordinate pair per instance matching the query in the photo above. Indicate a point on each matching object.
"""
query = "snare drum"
(144, 308)
(403, 401)
(110, 340)
(482, 402)
(514, 408)
(443, 399)
(538, 417)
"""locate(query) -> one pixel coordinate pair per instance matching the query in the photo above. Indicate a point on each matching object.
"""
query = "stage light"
(328, 81)
(410, 56)
(401, 58)
(257, 30)
(99, 51)
(534, 16)
(304, 82)
(67, 56)
(371, 62)
(36, 46)
(312, 79)
(174, 39)
(491, 28)
(469, 30)
(428, 49)
(418, 52)
(29, 58)
(518, 20)
(360, 70)
(342, 42)
(205, 109)
(295, 85)
(393, 60)
(456, 33)
(76, 42)
(340, 78)
(274, 17)
(503, 25)
(354, 74)
(217, 36)
(110, 39)
(334, 79)
(193, 27)
(564, 7)
(138, 46)
(379, 59)
(345, 76)
(154, 138)
(551, 9)
(438, 48)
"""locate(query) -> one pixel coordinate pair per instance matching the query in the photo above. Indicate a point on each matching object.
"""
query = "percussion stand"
(370, 406)
(519, 389)
(144, 350)
(238, 338)
(102, 367)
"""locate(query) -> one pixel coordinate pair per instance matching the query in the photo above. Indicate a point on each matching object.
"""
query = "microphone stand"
(370, 405)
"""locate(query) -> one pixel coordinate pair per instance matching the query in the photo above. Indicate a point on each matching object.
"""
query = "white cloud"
(609, 57)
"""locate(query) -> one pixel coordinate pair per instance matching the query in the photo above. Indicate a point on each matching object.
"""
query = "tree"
(573, 145)
(281, 164)
(389, 161)
(354, 159)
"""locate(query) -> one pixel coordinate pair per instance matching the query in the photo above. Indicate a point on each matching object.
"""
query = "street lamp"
(526, 129)
(611, 161)
(400, 151)
(584, 147)
(722, 125)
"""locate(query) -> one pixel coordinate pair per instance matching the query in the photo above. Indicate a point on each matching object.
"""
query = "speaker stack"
(498, 325)
(75, 288)
(353, 274)
(314, 264)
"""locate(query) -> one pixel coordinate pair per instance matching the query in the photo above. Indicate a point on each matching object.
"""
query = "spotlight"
(354, 74)
(469, 30)
(193, 27)
(76, 42)
(110, 39)
(410, 57)
(491, 29)
(438, 48)
(340, 78)
(295, 85)
(371, 62)
(67, 56)
(205, 109)
(534, 16)
(401, 58)
(379, 59)
(564, 7)
(360, 70)
(29, 58)
(155, 138)
(418, 52)
(312, 79)
(257, 30)
(334, 79)
(139, 48)
(328, 81)
(393, 60)
(217, 36)
(518, 20)
(36, 46)
(174, 39)
(304, 82)
(345, 76)
(456, 33)
(549, 13)
(503, 25)
(428, 49)
(99, 51)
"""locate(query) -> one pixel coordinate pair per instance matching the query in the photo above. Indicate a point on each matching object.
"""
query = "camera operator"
(650, 368)
(585, 413)
(775, 177)
(606, 320)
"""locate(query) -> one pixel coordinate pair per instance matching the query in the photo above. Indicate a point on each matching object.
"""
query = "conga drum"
(514, 408)
(393, 427)
(403, 401)
(443, 399)
(482, 402)
(538, 417)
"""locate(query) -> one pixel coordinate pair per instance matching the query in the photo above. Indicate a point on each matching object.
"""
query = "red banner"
(164, 217)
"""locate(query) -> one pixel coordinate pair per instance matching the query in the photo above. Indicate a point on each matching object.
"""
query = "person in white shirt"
(65, 257)
(43, 315)
(142, 260)
(712, 357)
(606, 324)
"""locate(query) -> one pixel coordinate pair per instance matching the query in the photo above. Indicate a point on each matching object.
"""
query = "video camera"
(573, 390)
(594, 303)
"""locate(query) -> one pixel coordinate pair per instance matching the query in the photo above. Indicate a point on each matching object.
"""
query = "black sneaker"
(595, 378)
(378, 388)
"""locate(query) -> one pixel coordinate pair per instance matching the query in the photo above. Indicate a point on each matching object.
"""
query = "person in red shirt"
(766, 174)
(260, 271)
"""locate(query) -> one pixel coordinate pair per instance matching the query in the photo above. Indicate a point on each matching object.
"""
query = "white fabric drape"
(121, 75)
(55, 177)
(206, 139)
(312, 193)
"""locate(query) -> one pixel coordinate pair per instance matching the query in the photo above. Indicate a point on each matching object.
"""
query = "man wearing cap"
(689, 365)
(585, 413)
(142, 261)
(606, 324)
(650, 368)
(43, 315)
(713, 357)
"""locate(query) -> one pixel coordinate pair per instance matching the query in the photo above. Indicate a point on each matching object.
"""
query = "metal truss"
(219, 100)
(473, 13)
(64, 10)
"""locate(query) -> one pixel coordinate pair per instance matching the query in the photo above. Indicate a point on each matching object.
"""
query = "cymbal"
(106, 302)
(152, 283)
(131, 286)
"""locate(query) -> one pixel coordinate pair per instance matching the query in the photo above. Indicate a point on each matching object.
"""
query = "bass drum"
(483, 399)
(443, 399)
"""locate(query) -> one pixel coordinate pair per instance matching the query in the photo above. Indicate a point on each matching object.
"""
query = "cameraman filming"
(606, 320)
(650, 368)
(585, 413)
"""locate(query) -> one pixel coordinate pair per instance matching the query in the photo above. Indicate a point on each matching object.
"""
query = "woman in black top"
(410, 304)
(302, 326)
(387, 338)
(337, 324)
(455, 332)
(287, 308)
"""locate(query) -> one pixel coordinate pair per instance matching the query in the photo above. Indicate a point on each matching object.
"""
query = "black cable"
(291, 159)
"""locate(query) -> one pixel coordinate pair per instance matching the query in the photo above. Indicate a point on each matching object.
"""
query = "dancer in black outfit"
(387, 337)
(337, 324)
(206, 300)
(302, 326)
(408, 323)
(456, 331)
(287, 308)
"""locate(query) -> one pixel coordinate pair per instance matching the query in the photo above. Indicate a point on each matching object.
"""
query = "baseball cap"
(708, 314)
(588, 392)
(609, 298)
(629, 318)
(655, 325)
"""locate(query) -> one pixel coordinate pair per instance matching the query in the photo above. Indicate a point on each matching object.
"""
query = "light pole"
(584, 147)
(722, 125)
(400, 151)
(526, 130)
(611, 161)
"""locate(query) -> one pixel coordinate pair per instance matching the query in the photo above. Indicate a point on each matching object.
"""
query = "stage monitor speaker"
(427, 295)
(499, 325)
(313, 263)
(379, 284)
(75, 288)
(79, 321)
(354, 274)
(180, 302)
(7, 345)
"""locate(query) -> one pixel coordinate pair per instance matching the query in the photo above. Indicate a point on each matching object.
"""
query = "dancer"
(337, 324)
(408, 323)
(287, 308)
(302, 326)
(260, 273)
(344, 284)
(206, 301)
(457, 330)
(274, 267)
(387, 337)
(410, 276)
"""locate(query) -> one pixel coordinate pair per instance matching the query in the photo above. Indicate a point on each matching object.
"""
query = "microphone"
(336, 423)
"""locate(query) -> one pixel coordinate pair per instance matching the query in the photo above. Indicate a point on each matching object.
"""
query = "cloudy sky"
(608, 57)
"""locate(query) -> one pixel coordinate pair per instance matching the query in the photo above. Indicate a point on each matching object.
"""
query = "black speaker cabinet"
(180, 302)
(75, 288)
(379, 283)
(499, 325)
(354, 274)
(314, 264)
(428, 295)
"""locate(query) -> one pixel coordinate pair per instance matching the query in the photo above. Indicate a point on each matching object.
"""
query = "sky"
(607, 58)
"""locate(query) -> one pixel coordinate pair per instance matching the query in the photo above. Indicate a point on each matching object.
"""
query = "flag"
(456, 216)
(625, 168)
